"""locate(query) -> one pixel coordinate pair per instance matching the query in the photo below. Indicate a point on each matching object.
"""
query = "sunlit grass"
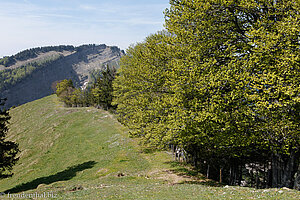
(84, 153)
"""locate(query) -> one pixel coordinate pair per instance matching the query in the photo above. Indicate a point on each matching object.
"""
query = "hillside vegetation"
(29, 75)
(221, 83)
(12, 76)
(84, 153)
(27, 54)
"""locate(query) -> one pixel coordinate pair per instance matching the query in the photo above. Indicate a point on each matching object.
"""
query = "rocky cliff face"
(75, 65)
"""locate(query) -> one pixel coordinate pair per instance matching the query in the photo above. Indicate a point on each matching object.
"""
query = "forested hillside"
(29, 74)
(8, 61)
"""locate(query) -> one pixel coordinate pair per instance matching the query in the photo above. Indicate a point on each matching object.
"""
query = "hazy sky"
(32, 23)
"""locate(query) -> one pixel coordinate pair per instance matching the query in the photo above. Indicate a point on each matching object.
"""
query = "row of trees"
(222, 82)
(34, 52)
(98, 95)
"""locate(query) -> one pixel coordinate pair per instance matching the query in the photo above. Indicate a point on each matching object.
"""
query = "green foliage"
(65, 149)
(81, 98)
(223, 83)
(102, 90)
(10, 77)
(142, 88)
(100, 94)
(97, 73)
(63, 86)
(65, 90)
(7, 61)
(32, 53)
(8, 149)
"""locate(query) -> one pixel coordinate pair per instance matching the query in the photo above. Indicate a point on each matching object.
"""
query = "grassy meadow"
(84, 153)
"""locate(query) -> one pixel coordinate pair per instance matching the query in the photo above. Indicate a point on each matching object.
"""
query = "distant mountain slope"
(33, 54)
(28, 75)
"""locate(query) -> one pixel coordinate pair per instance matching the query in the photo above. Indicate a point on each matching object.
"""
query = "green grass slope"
(84, 153)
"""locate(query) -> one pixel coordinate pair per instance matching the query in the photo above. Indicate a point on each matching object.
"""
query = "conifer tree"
(102, 90)
(8, 149)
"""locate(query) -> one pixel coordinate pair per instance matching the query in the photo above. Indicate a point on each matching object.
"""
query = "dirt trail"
(173, 177)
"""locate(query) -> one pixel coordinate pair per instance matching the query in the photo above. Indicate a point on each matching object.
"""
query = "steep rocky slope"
(75, 64)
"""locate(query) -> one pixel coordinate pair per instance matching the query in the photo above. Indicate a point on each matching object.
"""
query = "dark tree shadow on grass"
(67, 174)
(184, 171)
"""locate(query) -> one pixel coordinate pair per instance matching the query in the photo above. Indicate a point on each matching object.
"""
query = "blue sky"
(32, 23)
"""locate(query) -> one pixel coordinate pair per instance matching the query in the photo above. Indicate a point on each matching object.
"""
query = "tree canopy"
(222, 82)
(102, 89)
(99, 94)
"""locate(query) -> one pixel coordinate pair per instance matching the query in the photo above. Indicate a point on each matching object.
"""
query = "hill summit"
(29, 74)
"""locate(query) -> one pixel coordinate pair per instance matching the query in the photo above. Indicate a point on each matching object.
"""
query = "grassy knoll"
(84, 153)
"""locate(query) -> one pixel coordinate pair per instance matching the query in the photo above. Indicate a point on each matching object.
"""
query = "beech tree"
(8, 149)
(142, 88)
(242, 59)
(223, 83)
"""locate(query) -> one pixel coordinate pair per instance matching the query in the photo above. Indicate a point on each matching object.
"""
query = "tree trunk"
(220, 175)
(240, 174)
(264, 178)
(256, 175)
(207, 172)
(297, 179)
(274, 171)
(288, 172)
